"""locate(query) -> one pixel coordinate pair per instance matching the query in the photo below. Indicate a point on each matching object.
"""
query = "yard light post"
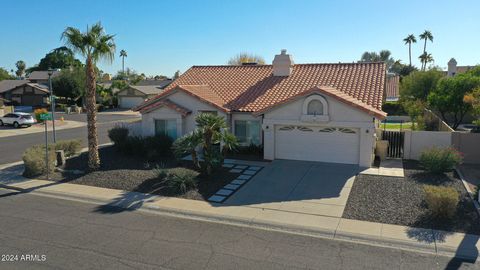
(52, 103)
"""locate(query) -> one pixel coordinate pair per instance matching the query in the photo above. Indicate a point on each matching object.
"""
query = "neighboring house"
(317, 112)
(454, 69)
(24, 93)
(136, 94)
(392, 87)
(41, 77)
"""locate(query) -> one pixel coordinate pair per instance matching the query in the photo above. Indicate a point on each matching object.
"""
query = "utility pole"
(52, 103)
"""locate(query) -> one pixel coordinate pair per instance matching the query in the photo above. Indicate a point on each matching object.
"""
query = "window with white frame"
(166, 127)
(247, 131)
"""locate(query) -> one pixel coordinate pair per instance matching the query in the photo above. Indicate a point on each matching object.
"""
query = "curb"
(429, 248)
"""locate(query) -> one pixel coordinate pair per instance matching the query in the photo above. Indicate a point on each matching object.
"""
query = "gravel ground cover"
(400, 200)
(128, 173)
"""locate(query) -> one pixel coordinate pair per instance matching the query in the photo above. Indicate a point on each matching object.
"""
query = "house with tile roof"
(137, 93)
(317, 112)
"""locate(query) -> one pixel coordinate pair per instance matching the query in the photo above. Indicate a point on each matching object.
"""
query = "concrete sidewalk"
(424, 240)
(8, 131)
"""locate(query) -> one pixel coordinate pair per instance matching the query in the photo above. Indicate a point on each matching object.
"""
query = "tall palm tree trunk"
(410, 52)
(93, 157)
(123, 65)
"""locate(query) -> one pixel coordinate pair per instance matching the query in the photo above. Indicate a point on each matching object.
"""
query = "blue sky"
(164, 36)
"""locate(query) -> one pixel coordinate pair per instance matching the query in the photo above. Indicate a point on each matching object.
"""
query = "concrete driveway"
(315, 188)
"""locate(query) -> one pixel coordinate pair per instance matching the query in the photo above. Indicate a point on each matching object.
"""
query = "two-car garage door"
(315, 143)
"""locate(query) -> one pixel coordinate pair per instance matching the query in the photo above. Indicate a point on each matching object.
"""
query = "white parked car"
(17, 119)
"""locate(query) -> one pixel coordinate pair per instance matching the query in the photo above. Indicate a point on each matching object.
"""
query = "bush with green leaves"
(34, 160)
(151, 147)
(118, 135)
(441, 201)
(69, 147)
(178, 180)
(440, 160)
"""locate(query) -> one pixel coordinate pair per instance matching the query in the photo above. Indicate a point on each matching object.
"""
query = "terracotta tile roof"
(167, 103)
(253, 88)
(334, 93)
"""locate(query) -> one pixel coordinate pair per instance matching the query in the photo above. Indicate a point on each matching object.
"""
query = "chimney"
(452, 67)
(282, 64)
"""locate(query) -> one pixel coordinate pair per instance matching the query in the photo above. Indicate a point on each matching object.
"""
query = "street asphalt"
(12, 148)
(61, 234)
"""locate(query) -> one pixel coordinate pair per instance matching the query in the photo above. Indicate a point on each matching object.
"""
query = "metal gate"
(395, 143)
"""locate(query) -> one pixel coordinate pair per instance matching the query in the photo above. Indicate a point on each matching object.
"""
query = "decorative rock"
(216, 198)
(231, 186)
(224, 192)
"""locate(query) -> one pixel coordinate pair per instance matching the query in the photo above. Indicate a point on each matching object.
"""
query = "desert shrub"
(157, 147)
(38, 112)
(34, 160)
(440, 160)
(441, 201)
(178, 180)
(393, 108)
(118, 135)
(70, 147)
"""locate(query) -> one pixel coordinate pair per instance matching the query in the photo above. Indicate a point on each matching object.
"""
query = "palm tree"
(409, 40)
(94, 45)
(426, 35)
(123, 54)
(382, 56)
(425, 58)
(213, 130)
(188, 145)
(21, 66)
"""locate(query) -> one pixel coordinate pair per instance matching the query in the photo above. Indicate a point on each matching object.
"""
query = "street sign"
(46, 116)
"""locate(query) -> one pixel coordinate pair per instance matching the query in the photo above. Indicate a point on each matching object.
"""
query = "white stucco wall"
(340, 115)
(418, 141)
(184, 124)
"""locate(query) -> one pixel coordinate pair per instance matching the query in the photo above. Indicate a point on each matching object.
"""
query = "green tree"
(418, 84)
(425, 58)
(59, 58)
(4, 75)
(244, 57)
(21, 66)
(70, 83)
(473, 98)
(448, 97)
(176, 74)
(415, 109)
(383, 56)
(188, 145)
(123, 54)
(426, 35)
(212, 130)
(409, 40)
(93, 45)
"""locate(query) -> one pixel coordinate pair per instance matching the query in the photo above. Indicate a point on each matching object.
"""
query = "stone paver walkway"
(388, 167)
(247, 172)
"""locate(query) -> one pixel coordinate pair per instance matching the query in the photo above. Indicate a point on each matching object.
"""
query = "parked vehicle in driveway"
(17, 119)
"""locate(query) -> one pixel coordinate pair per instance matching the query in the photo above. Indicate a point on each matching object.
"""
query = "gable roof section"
(42, 75)
(166, 103)
(336, 94)
(7, 85)
(253, 88)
